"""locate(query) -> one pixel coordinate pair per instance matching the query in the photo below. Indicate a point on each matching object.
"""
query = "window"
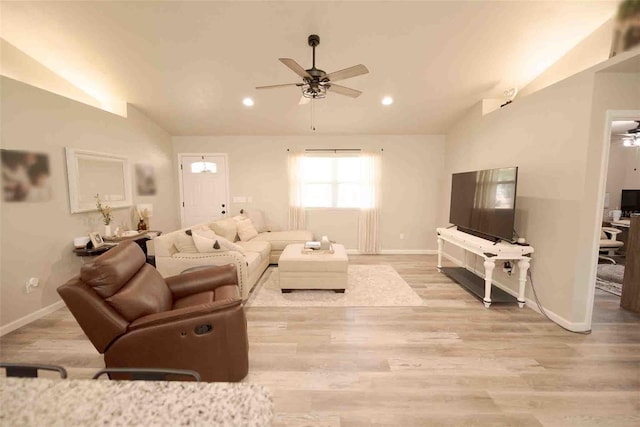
(334, 182)
(204, 167)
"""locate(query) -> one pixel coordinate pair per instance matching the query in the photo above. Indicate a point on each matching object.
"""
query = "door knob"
(224, 212)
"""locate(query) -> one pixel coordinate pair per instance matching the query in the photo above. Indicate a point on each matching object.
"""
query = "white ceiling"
(188, 65)
(622, 126)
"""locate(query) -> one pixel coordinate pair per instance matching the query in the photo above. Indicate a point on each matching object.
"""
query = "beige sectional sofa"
(259, 252)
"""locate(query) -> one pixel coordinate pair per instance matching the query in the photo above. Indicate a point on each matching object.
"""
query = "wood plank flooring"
(450, 362)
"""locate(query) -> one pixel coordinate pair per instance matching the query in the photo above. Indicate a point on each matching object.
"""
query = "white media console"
(491, 252)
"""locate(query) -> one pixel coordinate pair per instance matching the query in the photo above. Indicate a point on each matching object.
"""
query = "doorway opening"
(620, 202)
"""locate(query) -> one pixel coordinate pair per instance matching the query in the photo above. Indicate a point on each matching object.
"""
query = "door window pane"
(204, 167)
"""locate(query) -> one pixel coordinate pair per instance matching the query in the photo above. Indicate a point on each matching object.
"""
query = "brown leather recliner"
(138, 319)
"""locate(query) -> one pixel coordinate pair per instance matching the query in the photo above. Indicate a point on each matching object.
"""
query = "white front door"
(204, 188)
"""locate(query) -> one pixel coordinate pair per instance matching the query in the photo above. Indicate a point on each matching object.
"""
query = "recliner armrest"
(183, 313)
(203, 280)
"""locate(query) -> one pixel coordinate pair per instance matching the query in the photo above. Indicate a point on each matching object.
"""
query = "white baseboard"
(398, 252)
(10, 327)
(409, 252)
(530, 303)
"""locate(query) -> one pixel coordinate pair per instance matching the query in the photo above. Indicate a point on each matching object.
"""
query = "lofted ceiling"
(188, 65)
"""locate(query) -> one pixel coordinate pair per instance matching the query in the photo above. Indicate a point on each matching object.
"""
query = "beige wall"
(594, 49)
(411, 180)
(553, 136)
(37, 237)
(611, 91)
(17, 65)
(623, 173)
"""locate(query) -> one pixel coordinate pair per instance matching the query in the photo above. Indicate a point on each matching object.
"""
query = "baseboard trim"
(398, 252)
(530, 303)
(409, 252)
(10, 327)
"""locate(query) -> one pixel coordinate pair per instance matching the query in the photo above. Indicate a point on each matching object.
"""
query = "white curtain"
(368, 226)
(297, 214)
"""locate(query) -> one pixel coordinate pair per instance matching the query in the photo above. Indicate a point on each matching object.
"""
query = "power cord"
(535, 295)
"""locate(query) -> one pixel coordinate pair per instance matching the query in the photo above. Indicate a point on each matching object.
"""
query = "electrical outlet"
(31, 284)
(401, 236)
(507, 267)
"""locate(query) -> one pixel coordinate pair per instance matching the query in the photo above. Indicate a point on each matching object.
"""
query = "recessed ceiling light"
(387, 100)
(248, 102)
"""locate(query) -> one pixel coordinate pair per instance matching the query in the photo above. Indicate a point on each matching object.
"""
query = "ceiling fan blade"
(344, 90)
(295, 67)
(347, 73)
(304, 100)
(275, 86)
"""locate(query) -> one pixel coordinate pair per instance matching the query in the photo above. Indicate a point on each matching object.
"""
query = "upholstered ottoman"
(300, 270)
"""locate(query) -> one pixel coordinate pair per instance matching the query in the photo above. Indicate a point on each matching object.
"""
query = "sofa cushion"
(257, 218)
(145, 293)
(280, 239)
(184, 242)
(261, 247)
(246, 230)
(226, 228)
(195, 299)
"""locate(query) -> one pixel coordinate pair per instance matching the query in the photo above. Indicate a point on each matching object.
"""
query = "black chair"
(30, 370)
(148, 374)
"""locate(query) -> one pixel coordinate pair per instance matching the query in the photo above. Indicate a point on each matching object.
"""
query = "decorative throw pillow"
(225, 245)
(238, 218)
(257, 218)
(246, 230)
(184, 242)
(225, 228)
(206, 241)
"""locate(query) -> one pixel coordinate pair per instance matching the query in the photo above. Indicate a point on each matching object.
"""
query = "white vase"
(107, 230)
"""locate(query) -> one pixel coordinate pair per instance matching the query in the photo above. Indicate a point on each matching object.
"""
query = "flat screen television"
(483, 203)
(630, 202)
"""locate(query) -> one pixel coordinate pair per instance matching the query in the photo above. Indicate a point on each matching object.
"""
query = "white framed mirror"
(92, 173)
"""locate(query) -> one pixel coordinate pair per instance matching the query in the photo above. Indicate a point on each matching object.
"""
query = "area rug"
(367, 286)
(609, 278)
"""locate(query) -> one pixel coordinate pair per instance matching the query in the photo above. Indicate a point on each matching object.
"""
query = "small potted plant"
(106, 213)
(626, 33)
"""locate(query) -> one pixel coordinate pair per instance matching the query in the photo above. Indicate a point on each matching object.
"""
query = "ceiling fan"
(635, 130)
(631, 138)
(316, 82)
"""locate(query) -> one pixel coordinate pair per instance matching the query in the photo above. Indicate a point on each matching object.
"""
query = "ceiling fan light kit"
(316, 82)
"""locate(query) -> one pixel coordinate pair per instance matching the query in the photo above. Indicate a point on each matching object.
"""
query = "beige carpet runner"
(368, 286)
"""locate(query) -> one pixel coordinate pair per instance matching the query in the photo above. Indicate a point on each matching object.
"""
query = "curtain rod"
(332, 150)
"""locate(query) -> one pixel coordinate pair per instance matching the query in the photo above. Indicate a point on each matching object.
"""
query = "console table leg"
(489, 265)
(440, 245)
(523, 267)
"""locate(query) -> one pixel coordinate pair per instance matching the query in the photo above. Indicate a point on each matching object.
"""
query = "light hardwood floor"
(450, 362)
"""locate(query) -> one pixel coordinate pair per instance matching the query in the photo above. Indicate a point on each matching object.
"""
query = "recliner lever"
(203, 329)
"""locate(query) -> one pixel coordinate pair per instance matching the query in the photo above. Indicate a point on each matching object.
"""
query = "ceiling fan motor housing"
(314, 40)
